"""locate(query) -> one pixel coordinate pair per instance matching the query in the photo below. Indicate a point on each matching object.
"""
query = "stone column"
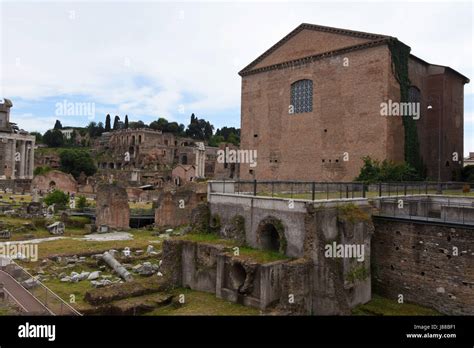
(22, 159)
(197, 163)
(32, 160)
(13, 158)
(203, 164)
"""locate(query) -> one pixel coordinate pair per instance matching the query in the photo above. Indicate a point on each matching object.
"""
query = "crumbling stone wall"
(418, 261)
(54, 179)
(175, 207)
(112, 207)
(338, 283)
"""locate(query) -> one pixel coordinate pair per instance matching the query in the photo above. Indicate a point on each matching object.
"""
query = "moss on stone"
(352, 213)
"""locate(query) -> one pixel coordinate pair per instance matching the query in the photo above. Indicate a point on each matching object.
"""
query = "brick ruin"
(112, 209)
(54, 180)
(418, 261)
(174, 206)
(307, 283)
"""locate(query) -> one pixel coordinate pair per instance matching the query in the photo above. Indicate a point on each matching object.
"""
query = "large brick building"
(311, 107)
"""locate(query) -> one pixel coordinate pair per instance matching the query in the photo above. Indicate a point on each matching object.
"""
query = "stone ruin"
(309, 283)
(112, 208)
(175, 206)
(56, 228)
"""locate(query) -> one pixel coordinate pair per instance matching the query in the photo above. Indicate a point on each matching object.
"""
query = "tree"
(57, 197)
(42, 170)
(137, 125)
(82, 202)
(230, 134)
(386, 171)
(107, 123)
(58, 125)
(75, 161)
(116, 122)
(199, 129)
(95, 130)
(216, 140)
(53, 138)
(126, 122)
(38, 136)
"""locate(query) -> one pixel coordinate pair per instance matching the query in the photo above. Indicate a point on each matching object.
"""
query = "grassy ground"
(202, 303)
(244, 252)
(196, 303)
(383, 306)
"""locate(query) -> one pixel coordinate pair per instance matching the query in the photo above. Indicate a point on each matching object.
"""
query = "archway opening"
(237, 276)
(269, 237)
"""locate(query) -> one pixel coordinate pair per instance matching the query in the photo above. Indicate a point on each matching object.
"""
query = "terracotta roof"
(305, 60)
(301, 27)
(466, 80)
(377, 39)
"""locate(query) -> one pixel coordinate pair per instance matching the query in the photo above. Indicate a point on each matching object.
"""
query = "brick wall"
(418, 261)
(345, 118)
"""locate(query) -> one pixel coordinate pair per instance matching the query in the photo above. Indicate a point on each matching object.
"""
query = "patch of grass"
(65, 290)
(210, 238)
(202, 303)
(262, 256)
(245, 252)
(383, 306)
(352, 213)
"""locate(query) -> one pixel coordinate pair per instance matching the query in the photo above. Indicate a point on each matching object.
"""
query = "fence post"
(426, 188)
(255, 187)
(363, 190)
(327, 191)
(404, 189)
(347, 191)
(313, 190)
(380, 189)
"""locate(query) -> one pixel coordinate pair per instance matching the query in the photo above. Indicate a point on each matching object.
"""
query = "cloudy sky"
(166, 59)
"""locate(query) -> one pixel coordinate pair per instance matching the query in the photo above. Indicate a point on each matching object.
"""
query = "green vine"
(400, 54)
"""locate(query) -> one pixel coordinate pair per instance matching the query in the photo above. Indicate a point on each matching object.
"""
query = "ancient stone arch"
(271, 235)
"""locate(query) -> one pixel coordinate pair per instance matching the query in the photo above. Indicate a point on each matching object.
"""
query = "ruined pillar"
(112, 208)
(22, 158)
(31, 167)
(13, 162)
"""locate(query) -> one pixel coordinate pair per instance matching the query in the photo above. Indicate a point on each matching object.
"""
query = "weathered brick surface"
(112, 207)
(175, 207)
(54, 179)
(345, 118)
(418, 262)
(346, 111)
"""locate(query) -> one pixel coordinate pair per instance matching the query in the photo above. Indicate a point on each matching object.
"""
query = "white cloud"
(191, 50)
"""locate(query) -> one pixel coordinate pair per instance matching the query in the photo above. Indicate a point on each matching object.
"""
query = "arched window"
(302, 96)
(414, 94)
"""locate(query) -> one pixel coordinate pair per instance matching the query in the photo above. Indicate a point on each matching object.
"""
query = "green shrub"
(386, 171)
(467, 173)
(41, 170)
(57, 197)
(82, 202)
(78, 221)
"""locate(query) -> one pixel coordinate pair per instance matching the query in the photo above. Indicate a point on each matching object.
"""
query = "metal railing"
(9, 298)
(41, 292)
(446, 210)
(334, 190)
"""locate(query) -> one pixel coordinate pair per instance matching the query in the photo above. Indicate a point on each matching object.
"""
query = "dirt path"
(23, 296)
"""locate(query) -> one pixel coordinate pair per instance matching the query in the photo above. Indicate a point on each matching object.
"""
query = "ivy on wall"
(400, 54)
